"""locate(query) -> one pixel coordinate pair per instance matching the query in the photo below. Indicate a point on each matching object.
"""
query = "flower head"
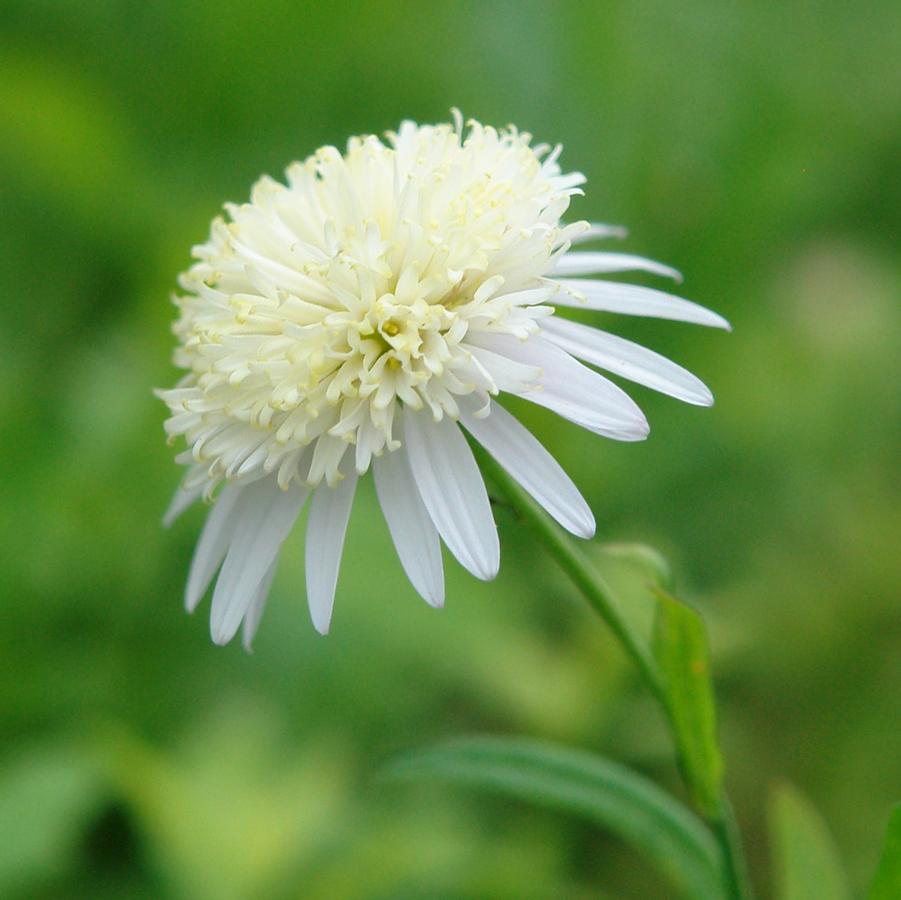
(356, 316)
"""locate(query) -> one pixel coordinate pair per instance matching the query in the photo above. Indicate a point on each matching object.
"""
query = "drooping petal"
(412, 531)
(599, 263)
(182, 499)
(266, 517)
(214, 540)
(521, 454)
(453, 492)
(257, 605)
(326, 528)
(573, 390)
(625, 358)
(631, 300)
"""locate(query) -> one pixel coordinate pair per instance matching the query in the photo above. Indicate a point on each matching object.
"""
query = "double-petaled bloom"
(361, 317)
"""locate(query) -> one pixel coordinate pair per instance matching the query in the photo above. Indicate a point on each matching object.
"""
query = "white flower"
(356, 318)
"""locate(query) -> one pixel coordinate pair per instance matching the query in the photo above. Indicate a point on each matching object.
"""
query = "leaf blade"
(887, 883)
(805, 861)
(682, 655)
(587, 785)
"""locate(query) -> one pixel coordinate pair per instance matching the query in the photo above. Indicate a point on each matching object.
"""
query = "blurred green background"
(754, 146)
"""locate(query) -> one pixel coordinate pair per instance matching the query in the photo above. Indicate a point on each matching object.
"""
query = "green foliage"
(887, 883)
(680, 649)
(48, 797)
(806, 864)
(633, 573)
(672, 637)
(587, 785)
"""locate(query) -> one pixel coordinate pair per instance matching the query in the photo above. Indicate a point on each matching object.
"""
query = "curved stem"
(595, 590)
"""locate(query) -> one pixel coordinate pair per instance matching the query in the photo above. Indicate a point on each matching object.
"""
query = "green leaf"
(645, 561)
(633, 573)
(680, 650)
(48, 797)
(672, 636)
(805, 861)
(887, 884)
(590, 786)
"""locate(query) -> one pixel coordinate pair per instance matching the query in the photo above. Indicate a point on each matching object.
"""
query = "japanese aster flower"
(358, 316)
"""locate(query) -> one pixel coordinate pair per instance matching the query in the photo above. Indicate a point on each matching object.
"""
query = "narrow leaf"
(589, 786)
(680, 649)
(887, 884)
(805, 862)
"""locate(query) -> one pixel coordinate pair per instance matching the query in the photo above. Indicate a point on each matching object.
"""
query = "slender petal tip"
(586, 527)
(221, 636)
(436, 601)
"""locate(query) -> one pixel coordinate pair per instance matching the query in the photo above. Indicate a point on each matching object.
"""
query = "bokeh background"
(754, 146)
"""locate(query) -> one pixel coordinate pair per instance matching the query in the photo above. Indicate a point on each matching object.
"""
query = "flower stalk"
(593, 587)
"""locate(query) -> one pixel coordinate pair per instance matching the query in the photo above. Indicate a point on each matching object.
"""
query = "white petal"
(327, 525)
(627, 359)
(632, 300)
(257, 605)
(599, 263)
(265, 518)
(214, 540)
(520, 453)
(506, 374)
(414, 535)
(453, 491)
(599, 231)
(571, 389)
(181, 500)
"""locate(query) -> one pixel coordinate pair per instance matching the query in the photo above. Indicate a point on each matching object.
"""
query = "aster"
(356, 316)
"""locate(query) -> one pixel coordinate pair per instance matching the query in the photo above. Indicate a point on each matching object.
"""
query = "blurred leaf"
(588, 785)
(47, 798)
(643, 558)
(633, 572)
(233, 807)
(676, 642)
(805, 861)
(680, 648)
(887, 883)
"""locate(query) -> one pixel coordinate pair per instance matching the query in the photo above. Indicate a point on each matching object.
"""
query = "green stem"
(579, 569)
(595, 590)
(725, 830)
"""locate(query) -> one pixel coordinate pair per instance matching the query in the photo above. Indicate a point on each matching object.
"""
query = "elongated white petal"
(214, 541)
(181, 500)
(453, 491)
(412, 531)
(326, 528)
(627, 359)
(520, 453)
(600, 263)
(573, 390)
(507, 375)
(257, 605)
(267, 515)
(599, 231)
(631, 300)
